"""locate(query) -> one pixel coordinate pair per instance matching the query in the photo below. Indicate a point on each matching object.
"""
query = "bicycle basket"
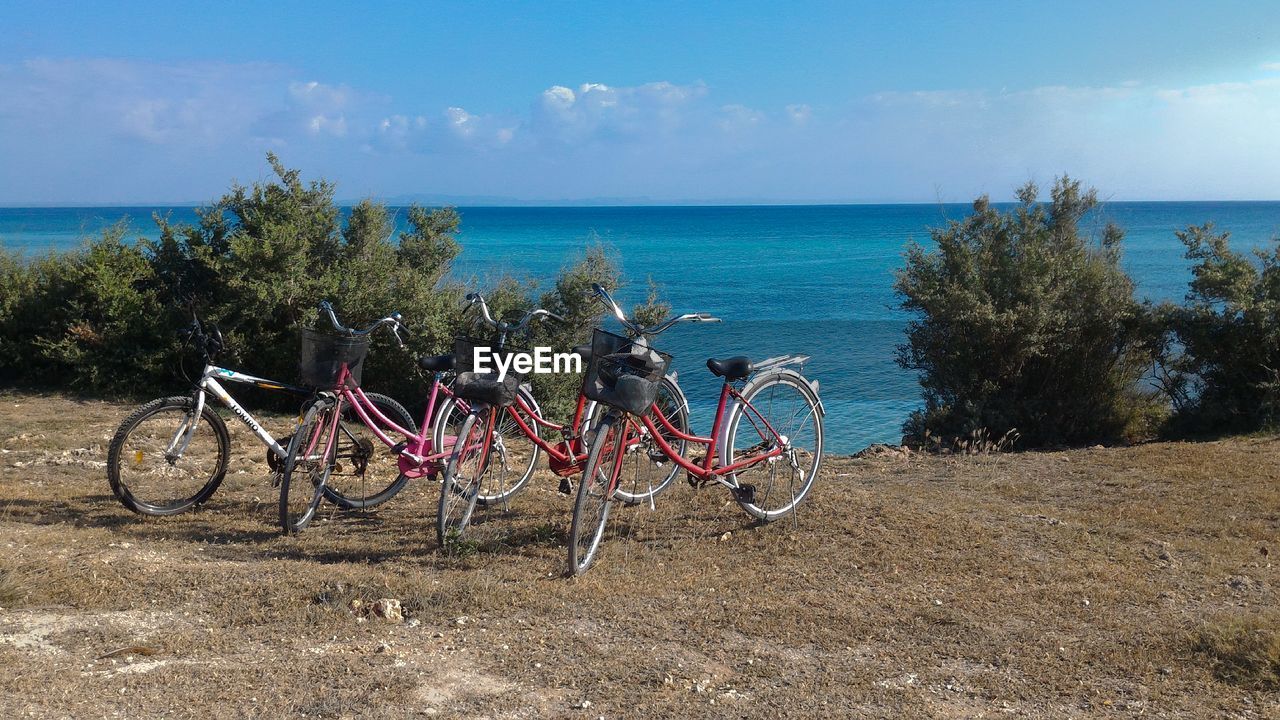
(624, 373)
(484, 385)
(324, 355)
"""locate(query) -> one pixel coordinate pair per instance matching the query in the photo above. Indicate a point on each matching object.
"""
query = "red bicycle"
(500, 441)
(765, 443)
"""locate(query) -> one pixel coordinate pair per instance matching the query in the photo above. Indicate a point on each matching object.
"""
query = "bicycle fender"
(810, 385)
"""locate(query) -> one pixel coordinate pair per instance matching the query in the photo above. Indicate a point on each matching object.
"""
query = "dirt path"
(1048, 585)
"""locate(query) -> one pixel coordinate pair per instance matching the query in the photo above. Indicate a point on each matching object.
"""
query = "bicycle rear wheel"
(464, 476)
(365, 474)
(773, 488)
(163, 460)
(308, 466)
(595, 492)
(647, 472)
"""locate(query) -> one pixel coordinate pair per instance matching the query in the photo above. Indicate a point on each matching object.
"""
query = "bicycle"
(623, 376)
(471, 479)
(335, 363)
(171, 454)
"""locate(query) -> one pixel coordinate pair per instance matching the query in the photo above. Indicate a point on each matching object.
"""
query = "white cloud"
(600, 113)
(69, 124)
(799, 113)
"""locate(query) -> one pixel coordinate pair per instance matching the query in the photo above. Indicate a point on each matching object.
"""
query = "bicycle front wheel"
(163, 460)
(514, 450)
(308, 466)
(365, 474)
(783, 401)
(596, 492)
(464, 475)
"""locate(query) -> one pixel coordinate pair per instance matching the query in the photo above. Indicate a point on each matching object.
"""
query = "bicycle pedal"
(566, 487)
(745, 493)
(399, 447)
(695, 482)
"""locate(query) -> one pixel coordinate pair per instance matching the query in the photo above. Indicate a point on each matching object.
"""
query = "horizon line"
(460, 202)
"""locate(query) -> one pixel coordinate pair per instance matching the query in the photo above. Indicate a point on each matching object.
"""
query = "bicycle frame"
(708, 470)
(209, 384)
(568, 456)
(417, 457)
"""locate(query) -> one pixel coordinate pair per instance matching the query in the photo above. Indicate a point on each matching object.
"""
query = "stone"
(388, 609)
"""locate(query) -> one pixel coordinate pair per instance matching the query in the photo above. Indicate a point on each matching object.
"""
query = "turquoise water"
(786, 279)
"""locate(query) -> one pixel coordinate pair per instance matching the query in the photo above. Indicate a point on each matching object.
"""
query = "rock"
(388, 609)
(357, 606)
(582, 705)
(413, 622)
(881, 450)
(725, 537)
(1242, 583)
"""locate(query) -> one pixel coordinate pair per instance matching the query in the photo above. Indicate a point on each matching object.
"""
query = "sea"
(806, 280)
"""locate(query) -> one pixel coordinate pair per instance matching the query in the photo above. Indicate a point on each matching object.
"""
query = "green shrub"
(257, 262)
(1226, 376)
(1023, 323)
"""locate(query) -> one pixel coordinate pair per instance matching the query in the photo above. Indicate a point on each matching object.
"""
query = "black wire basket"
(323, 356)
(624, 373)
(486, 387)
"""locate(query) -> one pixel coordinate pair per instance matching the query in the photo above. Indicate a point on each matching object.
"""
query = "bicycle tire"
(649, 459)
(595, 498)
(128, 491)
(511, 430)
(458, 498)
(314, 468)
(800, 447)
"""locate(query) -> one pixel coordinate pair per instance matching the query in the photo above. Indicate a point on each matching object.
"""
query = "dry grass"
(1243, 648)
(1051, 585)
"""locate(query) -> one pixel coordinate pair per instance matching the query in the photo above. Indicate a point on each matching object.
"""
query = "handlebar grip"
(473, 296)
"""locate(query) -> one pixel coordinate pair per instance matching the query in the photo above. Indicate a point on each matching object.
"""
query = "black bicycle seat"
(436, 363)
(734, 368)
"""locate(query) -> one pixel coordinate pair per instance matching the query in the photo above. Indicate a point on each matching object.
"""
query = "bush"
(257, 263)
(1021, 323)
(1227, 375)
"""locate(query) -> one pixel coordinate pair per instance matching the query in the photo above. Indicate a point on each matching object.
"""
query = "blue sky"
(548, 102)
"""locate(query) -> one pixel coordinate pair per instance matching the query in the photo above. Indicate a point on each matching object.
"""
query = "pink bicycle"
(315, 454)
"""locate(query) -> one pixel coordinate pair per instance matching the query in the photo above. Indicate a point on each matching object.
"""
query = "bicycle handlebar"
(394, 320)
(209, 341)
(475, 298)
(635, 328)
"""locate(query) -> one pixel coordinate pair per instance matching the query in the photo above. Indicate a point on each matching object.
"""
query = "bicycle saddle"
(436, 363)
(584, 352)
(734, 368)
